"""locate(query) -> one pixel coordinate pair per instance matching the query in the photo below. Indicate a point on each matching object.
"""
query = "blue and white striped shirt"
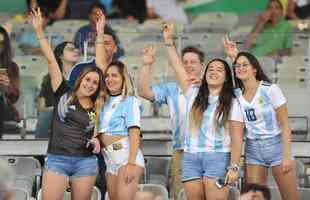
(119, 114)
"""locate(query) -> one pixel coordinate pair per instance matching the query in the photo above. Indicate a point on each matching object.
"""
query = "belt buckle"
(117, 146)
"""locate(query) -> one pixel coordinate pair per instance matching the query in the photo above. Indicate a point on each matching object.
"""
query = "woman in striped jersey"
(268, 136)
(211, 151)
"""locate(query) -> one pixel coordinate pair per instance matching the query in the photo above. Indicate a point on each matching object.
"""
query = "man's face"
(193, 66)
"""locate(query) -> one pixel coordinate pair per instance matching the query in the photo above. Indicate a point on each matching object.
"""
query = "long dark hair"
(201, 102)
(260, 75)
(58, 52)
(6, 53)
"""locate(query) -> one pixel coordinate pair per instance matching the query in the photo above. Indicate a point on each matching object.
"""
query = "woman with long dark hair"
(9, 81)
(268, 136)
(69, 155)
(212, 148)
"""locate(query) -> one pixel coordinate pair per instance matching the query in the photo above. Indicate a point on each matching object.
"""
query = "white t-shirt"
(260, 114)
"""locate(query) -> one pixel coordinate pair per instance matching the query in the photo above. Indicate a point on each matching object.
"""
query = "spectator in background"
(9, 81)
(66, 56)
(166, 10)
(88, 32)
(57, 8)
(28, 42)
(272, 35)
(255, 192)
(130, 9)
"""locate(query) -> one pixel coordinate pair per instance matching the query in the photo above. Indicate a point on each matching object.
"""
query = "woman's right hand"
(168, 32)
(230, 48)
(101, 23)
(36, 19)
(149, 55)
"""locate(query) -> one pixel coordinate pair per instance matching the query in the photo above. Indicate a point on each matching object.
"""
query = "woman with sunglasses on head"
(70, 156)
(66, 56)
(212, 148)
(268, 136)
(119, 126)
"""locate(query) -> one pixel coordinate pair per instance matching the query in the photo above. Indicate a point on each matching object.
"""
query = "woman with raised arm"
(72, 144)
(119, 127)
(212, 149)
(268, 136)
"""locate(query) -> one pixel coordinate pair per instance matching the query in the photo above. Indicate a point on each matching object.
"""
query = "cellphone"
(220, 183)
(3, 71)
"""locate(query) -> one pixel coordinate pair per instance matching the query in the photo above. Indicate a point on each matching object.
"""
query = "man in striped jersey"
(170, 93)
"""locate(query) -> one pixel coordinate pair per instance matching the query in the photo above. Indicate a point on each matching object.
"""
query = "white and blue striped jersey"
(170, 94)
(259, 115)
(208, 137)
(119, 114)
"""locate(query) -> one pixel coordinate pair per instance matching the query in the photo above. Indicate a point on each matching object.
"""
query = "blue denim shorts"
(205, 164)
(265, 152)
(71, 166)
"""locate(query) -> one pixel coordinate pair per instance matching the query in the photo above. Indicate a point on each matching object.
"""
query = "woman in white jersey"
(119, 126)
(268, 136)
(211, 152)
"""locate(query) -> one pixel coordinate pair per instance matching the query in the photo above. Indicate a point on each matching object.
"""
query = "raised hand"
(149, 52)
(101, 22)
(168, 32)
(230, 47)
(36, 18)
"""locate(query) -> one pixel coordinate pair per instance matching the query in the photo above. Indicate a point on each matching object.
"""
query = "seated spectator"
(66, 56)
(296, 9)
(57, 8)
(28, 42)
(255, 192)
(88, 32)
(272, 35)
(167, 10)
(130, 9)
(9, 81)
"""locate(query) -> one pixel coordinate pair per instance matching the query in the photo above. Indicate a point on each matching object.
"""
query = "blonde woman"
(69, 156)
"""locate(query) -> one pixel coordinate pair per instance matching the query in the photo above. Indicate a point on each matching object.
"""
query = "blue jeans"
(265, 152)
(205, 164)
(71, 166)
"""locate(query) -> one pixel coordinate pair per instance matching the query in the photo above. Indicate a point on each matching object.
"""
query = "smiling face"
(192, 64)
(215, 75)
(89, 84)
(244, 70)
(276, 10)
(114, 80)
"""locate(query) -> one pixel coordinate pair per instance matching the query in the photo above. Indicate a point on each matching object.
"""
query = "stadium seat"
(157, 190)
(157, 170)
(234, 194)
(269, 67)
(20, 194)
(27, 172)
(96, 194)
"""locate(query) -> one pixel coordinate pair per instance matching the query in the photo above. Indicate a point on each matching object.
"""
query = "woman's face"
(216, 74)
(243, 68)
(114, 80)
(276, 11)
(89, 84)
(70, 53)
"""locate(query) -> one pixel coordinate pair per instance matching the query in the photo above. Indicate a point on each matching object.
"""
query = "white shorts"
(116, 155)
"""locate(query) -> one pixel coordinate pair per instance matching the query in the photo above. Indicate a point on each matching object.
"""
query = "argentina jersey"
(208, 137)
(170, 94)
(119, 114)
(259, 114)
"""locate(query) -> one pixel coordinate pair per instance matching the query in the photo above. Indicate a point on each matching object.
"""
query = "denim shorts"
(265, 152)
(205, 164)
(71, 166)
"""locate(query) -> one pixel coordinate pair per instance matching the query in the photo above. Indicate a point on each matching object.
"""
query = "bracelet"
(169, 44)
(234, 167)
(42, 38)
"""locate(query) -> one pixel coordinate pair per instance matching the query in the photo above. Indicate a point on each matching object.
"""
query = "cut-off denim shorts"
(204, 164)
(71, 166)
(264, 152)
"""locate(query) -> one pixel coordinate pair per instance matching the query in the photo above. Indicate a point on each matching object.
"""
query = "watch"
(234, 167)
